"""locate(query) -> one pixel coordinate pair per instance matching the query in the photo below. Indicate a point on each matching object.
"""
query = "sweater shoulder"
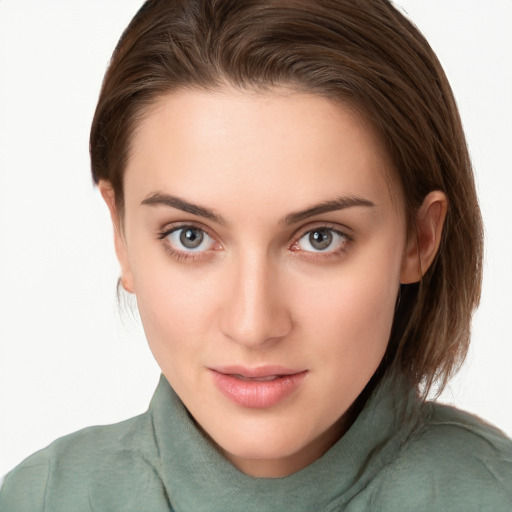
(454, 461)
(72, 469)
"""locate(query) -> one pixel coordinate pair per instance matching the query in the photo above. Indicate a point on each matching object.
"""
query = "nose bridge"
(254, 311)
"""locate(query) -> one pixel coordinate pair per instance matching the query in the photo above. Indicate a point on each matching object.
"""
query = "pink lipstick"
(257, 388)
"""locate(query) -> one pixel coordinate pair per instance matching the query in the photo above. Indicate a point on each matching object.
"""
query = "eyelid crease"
(344, 231)
(176, 226)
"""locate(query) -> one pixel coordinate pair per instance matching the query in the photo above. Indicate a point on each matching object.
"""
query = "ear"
(108, 193)
(423, 245)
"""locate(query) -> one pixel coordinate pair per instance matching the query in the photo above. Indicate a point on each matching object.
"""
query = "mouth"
(257, 388)
(268, 378)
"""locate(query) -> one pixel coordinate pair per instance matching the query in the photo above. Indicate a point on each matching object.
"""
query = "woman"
(294, 210)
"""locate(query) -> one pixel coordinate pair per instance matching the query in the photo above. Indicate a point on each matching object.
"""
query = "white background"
(68, 359)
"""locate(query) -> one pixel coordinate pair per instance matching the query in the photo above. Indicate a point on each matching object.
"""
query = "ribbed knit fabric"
(399, 455)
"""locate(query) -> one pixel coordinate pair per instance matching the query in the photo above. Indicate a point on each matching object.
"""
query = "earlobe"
(108, 194)
(422, 247)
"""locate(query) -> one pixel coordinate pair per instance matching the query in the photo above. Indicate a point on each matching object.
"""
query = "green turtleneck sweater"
(399, 455)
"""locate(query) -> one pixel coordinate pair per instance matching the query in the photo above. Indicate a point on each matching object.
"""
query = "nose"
(254, 309)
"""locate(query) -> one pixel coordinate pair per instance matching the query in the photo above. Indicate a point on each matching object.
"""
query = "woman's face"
(265, 250)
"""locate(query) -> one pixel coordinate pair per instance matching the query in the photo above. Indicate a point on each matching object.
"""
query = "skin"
(257, 292)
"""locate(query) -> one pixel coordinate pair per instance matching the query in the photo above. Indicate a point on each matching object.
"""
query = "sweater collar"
(197, 477)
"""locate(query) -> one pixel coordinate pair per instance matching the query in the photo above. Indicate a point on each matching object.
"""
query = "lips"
(257, 388)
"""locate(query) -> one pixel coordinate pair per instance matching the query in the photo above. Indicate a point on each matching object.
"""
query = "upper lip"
(257, 372)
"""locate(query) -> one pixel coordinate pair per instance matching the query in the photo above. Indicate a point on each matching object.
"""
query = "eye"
(189, 239)
(326, 240)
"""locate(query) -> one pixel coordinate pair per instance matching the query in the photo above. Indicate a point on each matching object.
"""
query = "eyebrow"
(340, 203)
(161, 199)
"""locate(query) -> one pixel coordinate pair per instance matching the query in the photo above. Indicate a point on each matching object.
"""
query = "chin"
(264, 448)
(261, 439)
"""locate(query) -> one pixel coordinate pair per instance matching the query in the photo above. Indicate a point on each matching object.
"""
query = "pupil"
(320, 239)
(191, 238)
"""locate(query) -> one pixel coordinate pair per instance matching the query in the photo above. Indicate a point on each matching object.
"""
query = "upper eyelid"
(342, 230)
(171, 227)
(346, 238)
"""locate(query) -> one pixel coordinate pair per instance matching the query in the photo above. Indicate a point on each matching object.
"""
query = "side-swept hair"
(364, 53)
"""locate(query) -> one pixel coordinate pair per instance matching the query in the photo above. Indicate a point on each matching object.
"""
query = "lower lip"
(257, 394)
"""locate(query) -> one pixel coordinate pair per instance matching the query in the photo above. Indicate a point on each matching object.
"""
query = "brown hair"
(364, 53)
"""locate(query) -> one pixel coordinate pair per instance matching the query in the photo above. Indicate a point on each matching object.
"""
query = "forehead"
(278, 145)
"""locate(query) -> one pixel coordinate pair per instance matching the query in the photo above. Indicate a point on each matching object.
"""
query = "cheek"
(352, 310)
(175, 318)
(174, 305)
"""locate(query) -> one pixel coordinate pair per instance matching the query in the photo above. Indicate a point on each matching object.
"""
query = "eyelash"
(190, 256)
(182, 255)
(345, 242)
